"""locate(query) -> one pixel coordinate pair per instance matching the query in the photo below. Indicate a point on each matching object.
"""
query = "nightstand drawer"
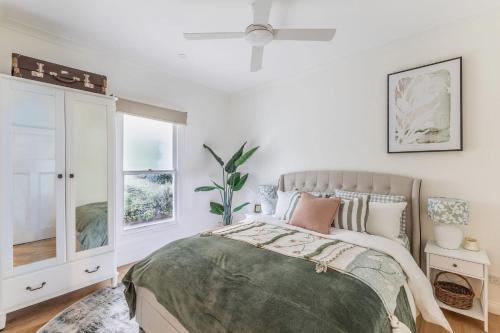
(457, 266)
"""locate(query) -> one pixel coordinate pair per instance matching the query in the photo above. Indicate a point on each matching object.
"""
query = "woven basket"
(453, 294)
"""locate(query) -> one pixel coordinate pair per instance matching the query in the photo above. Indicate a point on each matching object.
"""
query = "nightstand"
(471, 264)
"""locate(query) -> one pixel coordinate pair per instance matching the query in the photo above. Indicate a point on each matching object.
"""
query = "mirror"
(34, 187)
(90, 175)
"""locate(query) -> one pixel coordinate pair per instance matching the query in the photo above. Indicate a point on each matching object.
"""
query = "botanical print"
(423, 108)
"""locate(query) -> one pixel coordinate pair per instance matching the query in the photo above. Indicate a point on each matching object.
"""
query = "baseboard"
(494, 307)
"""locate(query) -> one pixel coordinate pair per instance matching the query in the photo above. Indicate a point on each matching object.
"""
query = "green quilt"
(92, 225)
(221, 284)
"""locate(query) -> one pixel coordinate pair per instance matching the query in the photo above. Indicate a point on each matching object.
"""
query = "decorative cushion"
(315, 213)
(385, 219)
(383, 198)
(287, 201)
(352, 214)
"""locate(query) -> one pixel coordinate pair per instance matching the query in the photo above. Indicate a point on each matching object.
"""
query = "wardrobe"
(57, 192)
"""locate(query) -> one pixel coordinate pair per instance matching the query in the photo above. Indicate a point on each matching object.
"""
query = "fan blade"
(256, 62)
(213, 35)
(261, 11)
(304, 34)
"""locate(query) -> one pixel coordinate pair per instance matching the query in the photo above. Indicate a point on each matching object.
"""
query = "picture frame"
(257, 208)
(424, 108)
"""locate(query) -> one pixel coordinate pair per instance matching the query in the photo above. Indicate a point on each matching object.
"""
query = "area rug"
(104, 311)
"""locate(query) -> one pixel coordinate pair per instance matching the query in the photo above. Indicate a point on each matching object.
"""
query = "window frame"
(121, 173)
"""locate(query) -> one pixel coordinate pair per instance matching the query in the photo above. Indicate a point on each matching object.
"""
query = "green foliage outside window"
(148, 197)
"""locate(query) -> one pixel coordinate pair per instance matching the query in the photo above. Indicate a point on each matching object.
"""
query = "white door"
(90, 170)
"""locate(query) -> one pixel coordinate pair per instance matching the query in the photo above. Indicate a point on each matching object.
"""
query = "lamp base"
(448, 236)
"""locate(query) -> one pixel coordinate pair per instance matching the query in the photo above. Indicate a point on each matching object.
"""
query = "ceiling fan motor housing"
(259, 34)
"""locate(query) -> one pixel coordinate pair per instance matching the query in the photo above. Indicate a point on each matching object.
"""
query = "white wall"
(335, 118)
(207, 114)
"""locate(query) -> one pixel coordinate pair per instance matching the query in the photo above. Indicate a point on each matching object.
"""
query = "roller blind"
(151, 111)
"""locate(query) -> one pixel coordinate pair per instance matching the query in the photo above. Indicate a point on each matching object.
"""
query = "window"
(148, 171)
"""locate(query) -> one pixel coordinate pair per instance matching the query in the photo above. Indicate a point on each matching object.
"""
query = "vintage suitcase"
(39, 70)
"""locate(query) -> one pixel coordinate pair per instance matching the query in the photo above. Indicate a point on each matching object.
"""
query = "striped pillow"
(353, 214)
(287, 202)
(382, 198)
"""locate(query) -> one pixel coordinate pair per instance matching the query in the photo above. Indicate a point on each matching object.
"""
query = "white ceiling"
(150, 31)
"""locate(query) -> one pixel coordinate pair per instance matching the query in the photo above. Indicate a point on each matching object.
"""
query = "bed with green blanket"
(92, 225)
(264, 275)
(261, 277)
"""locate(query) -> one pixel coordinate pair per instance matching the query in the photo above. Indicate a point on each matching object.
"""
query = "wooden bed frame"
(154, 318)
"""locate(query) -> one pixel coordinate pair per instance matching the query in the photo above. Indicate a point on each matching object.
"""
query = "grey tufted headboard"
(369, 182)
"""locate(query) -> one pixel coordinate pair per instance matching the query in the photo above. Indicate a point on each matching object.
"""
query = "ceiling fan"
(261, 33)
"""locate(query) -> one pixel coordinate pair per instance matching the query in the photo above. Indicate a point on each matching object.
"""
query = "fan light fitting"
(259, 34)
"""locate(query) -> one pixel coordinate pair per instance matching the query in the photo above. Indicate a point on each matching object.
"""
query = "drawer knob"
(455, 265)
(33, 289)
(92, 271)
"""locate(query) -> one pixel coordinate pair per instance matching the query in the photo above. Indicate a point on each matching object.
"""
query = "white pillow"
(384, 219)
(287, 201)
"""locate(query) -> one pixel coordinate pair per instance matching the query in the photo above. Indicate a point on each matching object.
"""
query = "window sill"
(149, 226)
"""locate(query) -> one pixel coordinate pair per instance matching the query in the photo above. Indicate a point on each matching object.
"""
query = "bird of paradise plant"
(232, 181)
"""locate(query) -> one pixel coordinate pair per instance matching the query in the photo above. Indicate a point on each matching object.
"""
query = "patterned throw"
(377, 270)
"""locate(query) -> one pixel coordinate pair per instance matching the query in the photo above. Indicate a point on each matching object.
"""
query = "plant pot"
(448, 236)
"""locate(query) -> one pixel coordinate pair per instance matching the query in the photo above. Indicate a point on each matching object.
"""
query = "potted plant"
(232, 181)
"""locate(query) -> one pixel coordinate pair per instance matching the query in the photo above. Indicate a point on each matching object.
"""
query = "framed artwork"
(424, 108)
(257, 209)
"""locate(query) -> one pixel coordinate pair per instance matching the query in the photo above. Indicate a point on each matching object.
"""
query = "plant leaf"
(218, 186)
(205, 188)
(216, 208)
(234, 179)
(240, 207)
(230, 166)
(241, 182)
(243, 158)
(217, 158)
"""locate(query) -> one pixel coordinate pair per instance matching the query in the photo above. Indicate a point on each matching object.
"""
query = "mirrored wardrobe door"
(37, 197)
(87, 168)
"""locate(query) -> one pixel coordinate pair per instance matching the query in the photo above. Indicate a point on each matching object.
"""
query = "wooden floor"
(30, 319)
(34, 251)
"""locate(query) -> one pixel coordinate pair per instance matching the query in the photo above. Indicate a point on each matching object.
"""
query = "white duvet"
(419, 285)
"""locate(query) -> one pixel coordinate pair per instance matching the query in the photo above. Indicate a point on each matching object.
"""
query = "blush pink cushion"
(314, 213)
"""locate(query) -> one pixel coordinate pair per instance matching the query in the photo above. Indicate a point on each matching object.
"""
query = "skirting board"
(494, 307)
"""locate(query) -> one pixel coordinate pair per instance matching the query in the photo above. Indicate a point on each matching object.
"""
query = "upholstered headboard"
(369, 182)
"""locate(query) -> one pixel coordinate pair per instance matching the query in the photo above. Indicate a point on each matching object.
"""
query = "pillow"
(376, 197)
(314, 213)
(285, 206)
(352, 214)
(385, 218)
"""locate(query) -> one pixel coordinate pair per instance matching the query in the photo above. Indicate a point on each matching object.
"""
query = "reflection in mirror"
(33, 179)
(90, 158)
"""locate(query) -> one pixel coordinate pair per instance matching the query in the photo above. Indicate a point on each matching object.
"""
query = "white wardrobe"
(57, 193)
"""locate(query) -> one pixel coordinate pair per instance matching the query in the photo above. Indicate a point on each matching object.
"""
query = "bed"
(247, 277)
(91, 225)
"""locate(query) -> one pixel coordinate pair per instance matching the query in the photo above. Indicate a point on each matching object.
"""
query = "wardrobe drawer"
(457, 266)
(30, 288)
(92, 269)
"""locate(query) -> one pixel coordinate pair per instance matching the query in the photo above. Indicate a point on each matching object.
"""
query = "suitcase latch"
(39, 71)
(86, 81)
